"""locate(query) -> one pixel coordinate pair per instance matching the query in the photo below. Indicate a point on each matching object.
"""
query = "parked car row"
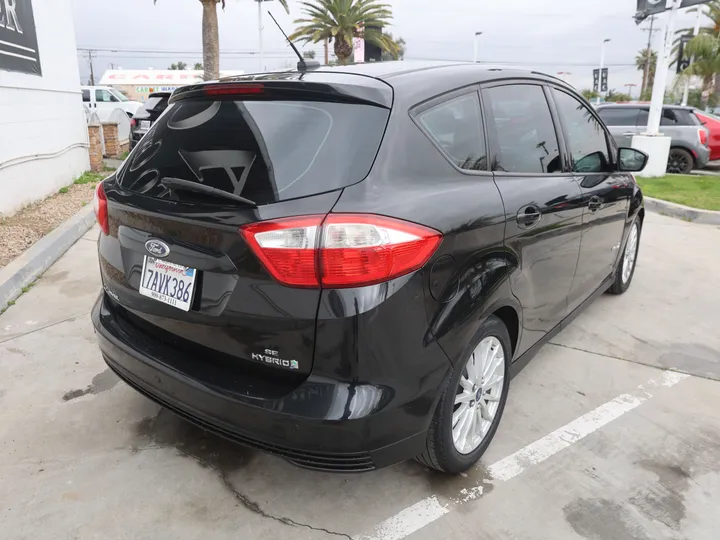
(695, 135)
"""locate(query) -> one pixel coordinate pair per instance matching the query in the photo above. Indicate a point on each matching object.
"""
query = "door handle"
(528, 216)
(595, 203)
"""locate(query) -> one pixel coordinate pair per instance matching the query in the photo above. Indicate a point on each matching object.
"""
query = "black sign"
(645, 8)
(596, 80)
(683, 61)
(18, 40)
(604, 80)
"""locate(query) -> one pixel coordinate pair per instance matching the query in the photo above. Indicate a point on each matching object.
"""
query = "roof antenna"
(302, 65)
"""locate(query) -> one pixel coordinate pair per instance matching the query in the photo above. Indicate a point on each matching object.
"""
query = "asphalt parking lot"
(612, 432)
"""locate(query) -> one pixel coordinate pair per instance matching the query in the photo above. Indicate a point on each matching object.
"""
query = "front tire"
(680, 161)
(472, 403)
(626, 266)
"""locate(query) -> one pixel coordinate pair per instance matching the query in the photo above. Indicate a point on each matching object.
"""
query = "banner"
(645, 8)
(18, 39)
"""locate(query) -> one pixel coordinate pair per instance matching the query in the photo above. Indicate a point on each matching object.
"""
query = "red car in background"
(712, 123)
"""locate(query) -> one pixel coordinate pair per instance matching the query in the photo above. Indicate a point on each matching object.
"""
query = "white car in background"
(106, 98)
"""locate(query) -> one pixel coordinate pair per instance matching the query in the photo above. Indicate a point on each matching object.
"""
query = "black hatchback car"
(345, 267)
(146, 115)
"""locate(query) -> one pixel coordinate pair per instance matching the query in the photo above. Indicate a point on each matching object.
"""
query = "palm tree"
(343, 20)
(211, 37)
(646, 57)
(705, 52)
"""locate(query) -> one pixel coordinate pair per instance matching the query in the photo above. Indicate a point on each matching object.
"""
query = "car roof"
(644, 104)
(411, 80)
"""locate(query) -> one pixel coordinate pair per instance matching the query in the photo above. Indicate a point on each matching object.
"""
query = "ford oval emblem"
(156, 248)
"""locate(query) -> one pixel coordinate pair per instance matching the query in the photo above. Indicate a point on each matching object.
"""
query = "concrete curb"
(28, 266)
(706, 217)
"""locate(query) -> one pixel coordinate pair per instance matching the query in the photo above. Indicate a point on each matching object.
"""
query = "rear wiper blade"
(188, 185)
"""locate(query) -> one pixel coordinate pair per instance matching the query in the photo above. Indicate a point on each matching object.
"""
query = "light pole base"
(657, 147)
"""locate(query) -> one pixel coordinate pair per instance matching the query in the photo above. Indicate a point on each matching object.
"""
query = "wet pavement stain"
(100, 383)
(664, 501)
(54, 278)
(17, 351)
(600, 519)
(209, 450)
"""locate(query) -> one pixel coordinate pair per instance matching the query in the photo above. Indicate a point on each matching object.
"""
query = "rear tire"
(680, 161)
(623, 273)
(444, 441)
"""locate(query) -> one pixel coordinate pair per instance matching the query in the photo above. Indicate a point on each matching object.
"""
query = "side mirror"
(631, 160)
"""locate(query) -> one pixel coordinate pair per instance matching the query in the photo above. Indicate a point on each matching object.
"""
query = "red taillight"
(342, 250)
(132, 123)
(233, 89)
(702, 134)
(100, 207)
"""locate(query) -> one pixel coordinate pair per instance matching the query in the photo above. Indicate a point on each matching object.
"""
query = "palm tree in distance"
(339, 21)
(211, 37)
(644, 57)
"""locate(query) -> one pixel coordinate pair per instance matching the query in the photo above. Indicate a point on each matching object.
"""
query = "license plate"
(167, 282)
(144, 124)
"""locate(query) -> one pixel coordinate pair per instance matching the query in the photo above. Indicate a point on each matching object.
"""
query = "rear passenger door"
(543, 209)
(622, 123)
(605, 193)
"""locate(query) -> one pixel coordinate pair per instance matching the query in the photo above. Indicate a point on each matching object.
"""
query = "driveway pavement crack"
(16, 336)
(252, 505)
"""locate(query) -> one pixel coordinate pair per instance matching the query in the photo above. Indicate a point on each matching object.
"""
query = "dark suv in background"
(689, 146)
(345, 267)
(146, 115)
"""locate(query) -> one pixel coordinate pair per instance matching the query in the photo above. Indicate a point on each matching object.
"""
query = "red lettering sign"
(141, 76)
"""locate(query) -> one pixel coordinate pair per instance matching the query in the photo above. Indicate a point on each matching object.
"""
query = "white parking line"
(421, 514)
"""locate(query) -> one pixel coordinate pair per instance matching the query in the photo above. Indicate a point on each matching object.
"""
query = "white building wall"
(43, 132)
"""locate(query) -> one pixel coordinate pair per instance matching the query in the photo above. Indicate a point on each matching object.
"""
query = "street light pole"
(661, 72)
(475, 54)
(696, 31)
(602, 65)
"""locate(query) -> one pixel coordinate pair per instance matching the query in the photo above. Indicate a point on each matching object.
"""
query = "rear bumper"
(702, 157)
(322, 424)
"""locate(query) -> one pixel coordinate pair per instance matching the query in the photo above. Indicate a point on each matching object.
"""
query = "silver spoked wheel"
(630, 253)
(478, 395)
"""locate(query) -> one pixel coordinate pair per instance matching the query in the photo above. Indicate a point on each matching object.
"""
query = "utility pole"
(92, 72)
(696, 31)
(648, 54)
(327, 53)
(260, 36)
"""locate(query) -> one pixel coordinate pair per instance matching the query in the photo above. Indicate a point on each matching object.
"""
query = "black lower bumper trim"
(359, 462)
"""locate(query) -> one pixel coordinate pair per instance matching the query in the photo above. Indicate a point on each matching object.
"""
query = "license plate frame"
(144, 124)
(161, 280)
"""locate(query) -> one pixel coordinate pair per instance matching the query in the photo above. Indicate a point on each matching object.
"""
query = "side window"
(668, 118)
(86, 96)
(643, 117)
(456, 126)
(525, 132)
(585, 136)
(619, 116)
(102, 96)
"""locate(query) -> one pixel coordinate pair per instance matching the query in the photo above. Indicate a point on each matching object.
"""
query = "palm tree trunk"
(211, 40)
(343, 51)
(327, 53)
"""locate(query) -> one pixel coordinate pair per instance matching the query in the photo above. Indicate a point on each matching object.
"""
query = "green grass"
(63, 190)
(89, 177)
(696, 191)
(124, 155)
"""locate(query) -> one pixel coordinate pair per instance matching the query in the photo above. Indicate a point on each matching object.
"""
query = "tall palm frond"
(340, 21)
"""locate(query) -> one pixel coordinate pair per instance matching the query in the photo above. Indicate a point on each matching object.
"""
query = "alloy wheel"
(478, 395)
(677, 163)
(630, 253)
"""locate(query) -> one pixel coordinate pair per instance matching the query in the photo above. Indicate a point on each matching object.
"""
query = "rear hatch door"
(275, 156)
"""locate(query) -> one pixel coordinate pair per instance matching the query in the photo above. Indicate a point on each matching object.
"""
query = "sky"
(552, 36)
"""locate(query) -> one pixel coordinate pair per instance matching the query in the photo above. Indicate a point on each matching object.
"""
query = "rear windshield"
(156, 103)
(265, 151)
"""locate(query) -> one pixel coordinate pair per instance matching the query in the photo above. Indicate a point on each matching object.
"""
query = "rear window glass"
(265, 151)
(158, 104)
(619, 116)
